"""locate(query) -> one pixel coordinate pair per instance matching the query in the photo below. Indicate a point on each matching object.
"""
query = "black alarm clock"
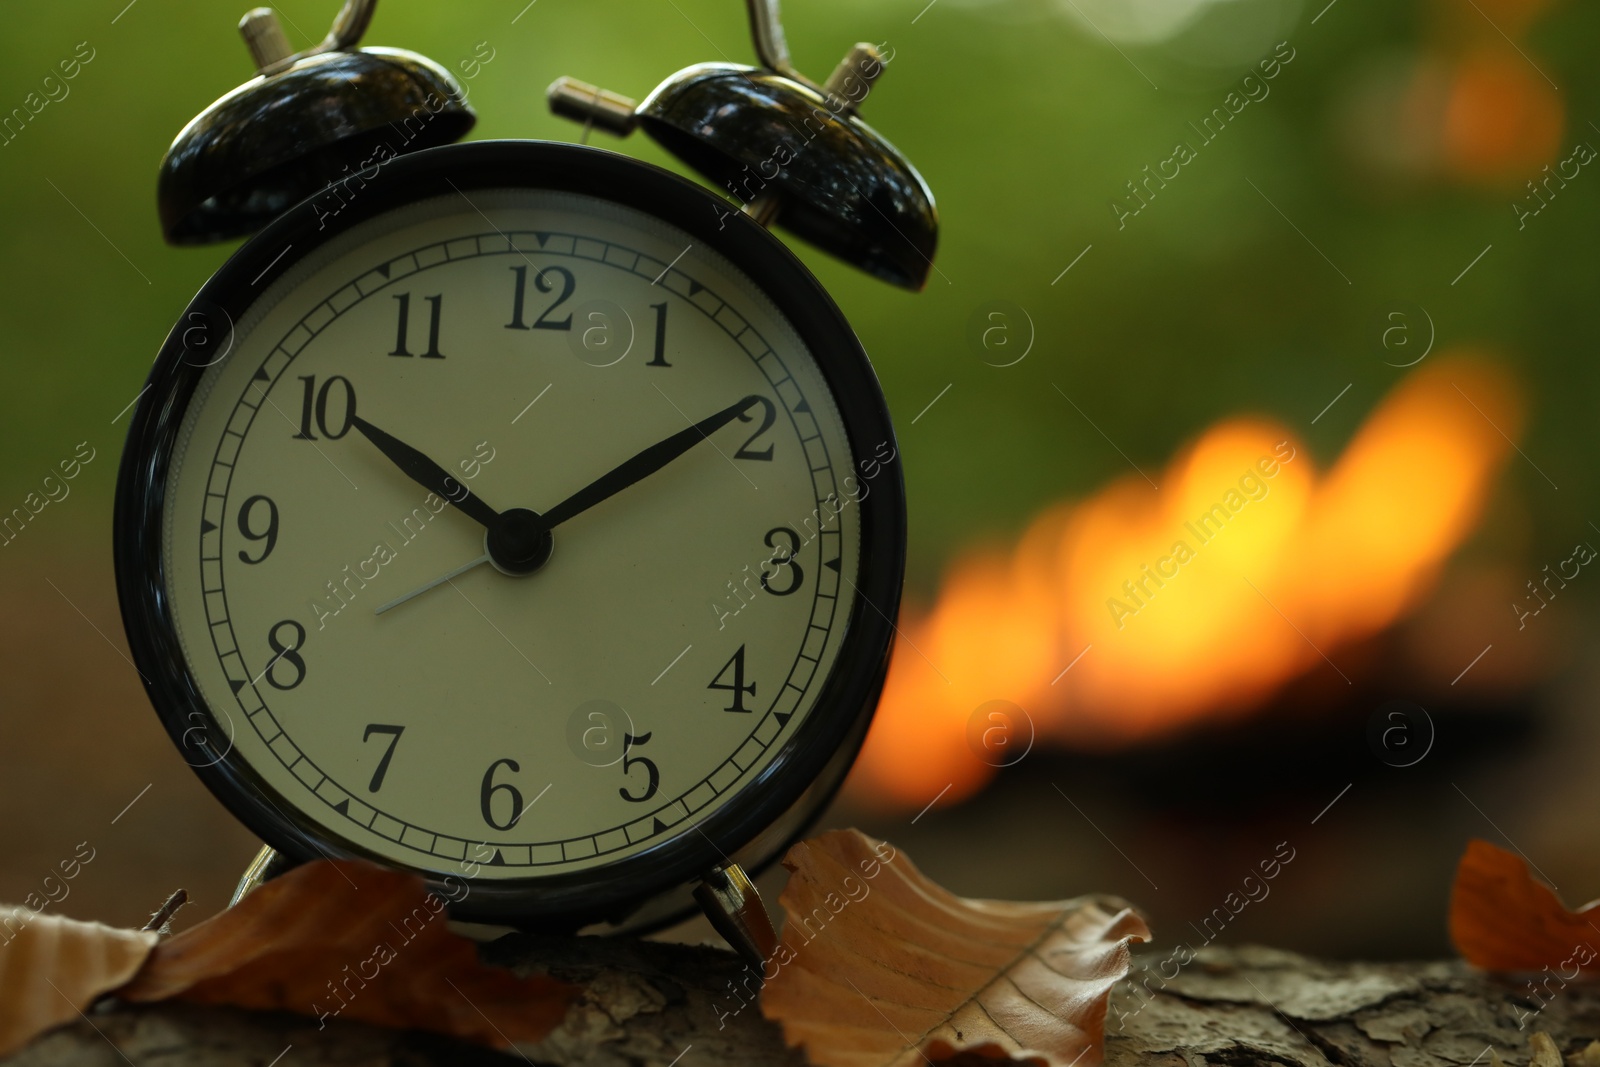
(518, 513)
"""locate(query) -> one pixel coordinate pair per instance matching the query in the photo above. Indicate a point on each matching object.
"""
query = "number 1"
(661, 336)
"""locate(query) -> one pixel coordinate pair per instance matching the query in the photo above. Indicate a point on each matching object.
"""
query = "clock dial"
(516, 533)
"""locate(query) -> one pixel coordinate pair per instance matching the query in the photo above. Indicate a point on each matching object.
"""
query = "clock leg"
(727, 896)
(733, 905)
(266, 866)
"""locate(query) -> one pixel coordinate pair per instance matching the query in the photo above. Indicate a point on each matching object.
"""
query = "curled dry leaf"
(880, 966)
(52, 968)
(1503, 919)
(348, 939)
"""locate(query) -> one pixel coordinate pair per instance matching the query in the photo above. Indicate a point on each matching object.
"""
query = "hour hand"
(645, 463)
(428, 474)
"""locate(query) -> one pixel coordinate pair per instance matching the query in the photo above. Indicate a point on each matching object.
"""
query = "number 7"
(394, 733)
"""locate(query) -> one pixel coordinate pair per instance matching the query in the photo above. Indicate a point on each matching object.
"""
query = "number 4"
(738, 688)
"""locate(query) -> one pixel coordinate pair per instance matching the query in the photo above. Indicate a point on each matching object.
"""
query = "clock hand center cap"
(519, 543)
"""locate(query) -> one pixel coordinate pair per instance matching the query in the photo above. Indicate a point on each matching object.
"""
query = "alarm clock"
(517, 513)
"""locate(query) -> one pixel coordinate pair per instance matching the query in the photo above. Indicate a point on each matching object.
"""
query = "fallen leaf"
(348, 939)
(1503, 919)
(878, 965)
(1542, 1050)
(52, 968)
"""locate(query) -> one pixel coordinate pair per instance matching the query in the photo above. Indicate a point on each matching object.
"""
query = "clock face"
(511, 534)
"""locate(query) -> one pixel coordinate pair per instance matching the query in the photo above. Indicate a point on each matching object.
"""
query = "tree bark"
(653, 1005)
(1254, 1005)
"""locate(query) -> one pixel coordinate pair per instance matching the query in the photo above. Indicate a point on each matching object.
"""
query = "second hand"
(464, 568)
(640, 466)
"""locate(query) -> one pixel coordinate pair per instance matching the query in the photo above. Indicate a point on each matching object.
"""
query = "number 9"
(269, 535)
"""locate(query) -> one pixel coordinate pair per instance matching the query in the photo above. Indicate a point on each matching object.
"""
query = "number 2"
(768, 415)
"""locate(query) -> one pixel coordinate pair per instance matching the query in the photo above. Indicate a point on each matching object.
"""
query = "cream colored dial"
(492, 723)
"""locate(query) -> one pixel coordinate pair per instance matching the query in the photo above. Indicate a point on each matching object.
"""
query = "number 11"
(433, 327)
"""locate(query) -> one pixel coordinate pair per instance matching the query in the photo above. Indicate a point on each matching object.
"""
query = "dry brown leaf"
(880, 966)
(349, 939)
(1588, 1056)
(52, 968)
(1503, 919)
(1542, 1050)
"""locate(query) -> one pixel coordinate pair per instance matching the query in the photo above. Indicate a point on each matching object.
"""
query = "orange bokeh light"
(1502, 120)
(1195, 601)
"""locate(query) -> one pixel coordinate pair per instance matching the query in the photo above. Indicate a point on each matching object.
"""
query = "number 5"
(630, 761)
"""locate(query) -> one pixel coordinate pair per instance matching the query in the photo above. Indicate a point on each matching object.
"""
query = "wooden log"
(653, 1005)
(1253, 1005)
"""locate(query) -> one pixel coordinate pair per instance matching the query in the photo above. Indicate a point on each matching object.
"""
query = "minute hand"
(645, 463)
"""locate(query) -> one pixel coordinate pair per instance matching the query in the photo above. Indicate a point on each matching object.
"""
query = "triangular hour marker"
(236, 686)
(343, 807)
(261, 375)
(660, 827)
(498, 861)
(803, 406)
(782, 717)
(206, 526)
(543, 237)
(832, 565)
(694, 287)
(383, 270)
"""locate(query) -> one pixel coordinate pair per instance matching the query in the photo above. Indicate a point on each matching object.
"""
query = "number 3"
(783, 556)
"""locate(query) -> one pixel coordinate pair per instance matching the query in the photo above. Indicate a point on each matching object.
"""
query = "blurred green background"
(1388, 154)
(1025, 124)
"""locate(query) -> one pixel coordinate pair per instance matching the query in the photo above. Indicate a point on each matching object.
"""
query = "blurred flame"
(1299, 561)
